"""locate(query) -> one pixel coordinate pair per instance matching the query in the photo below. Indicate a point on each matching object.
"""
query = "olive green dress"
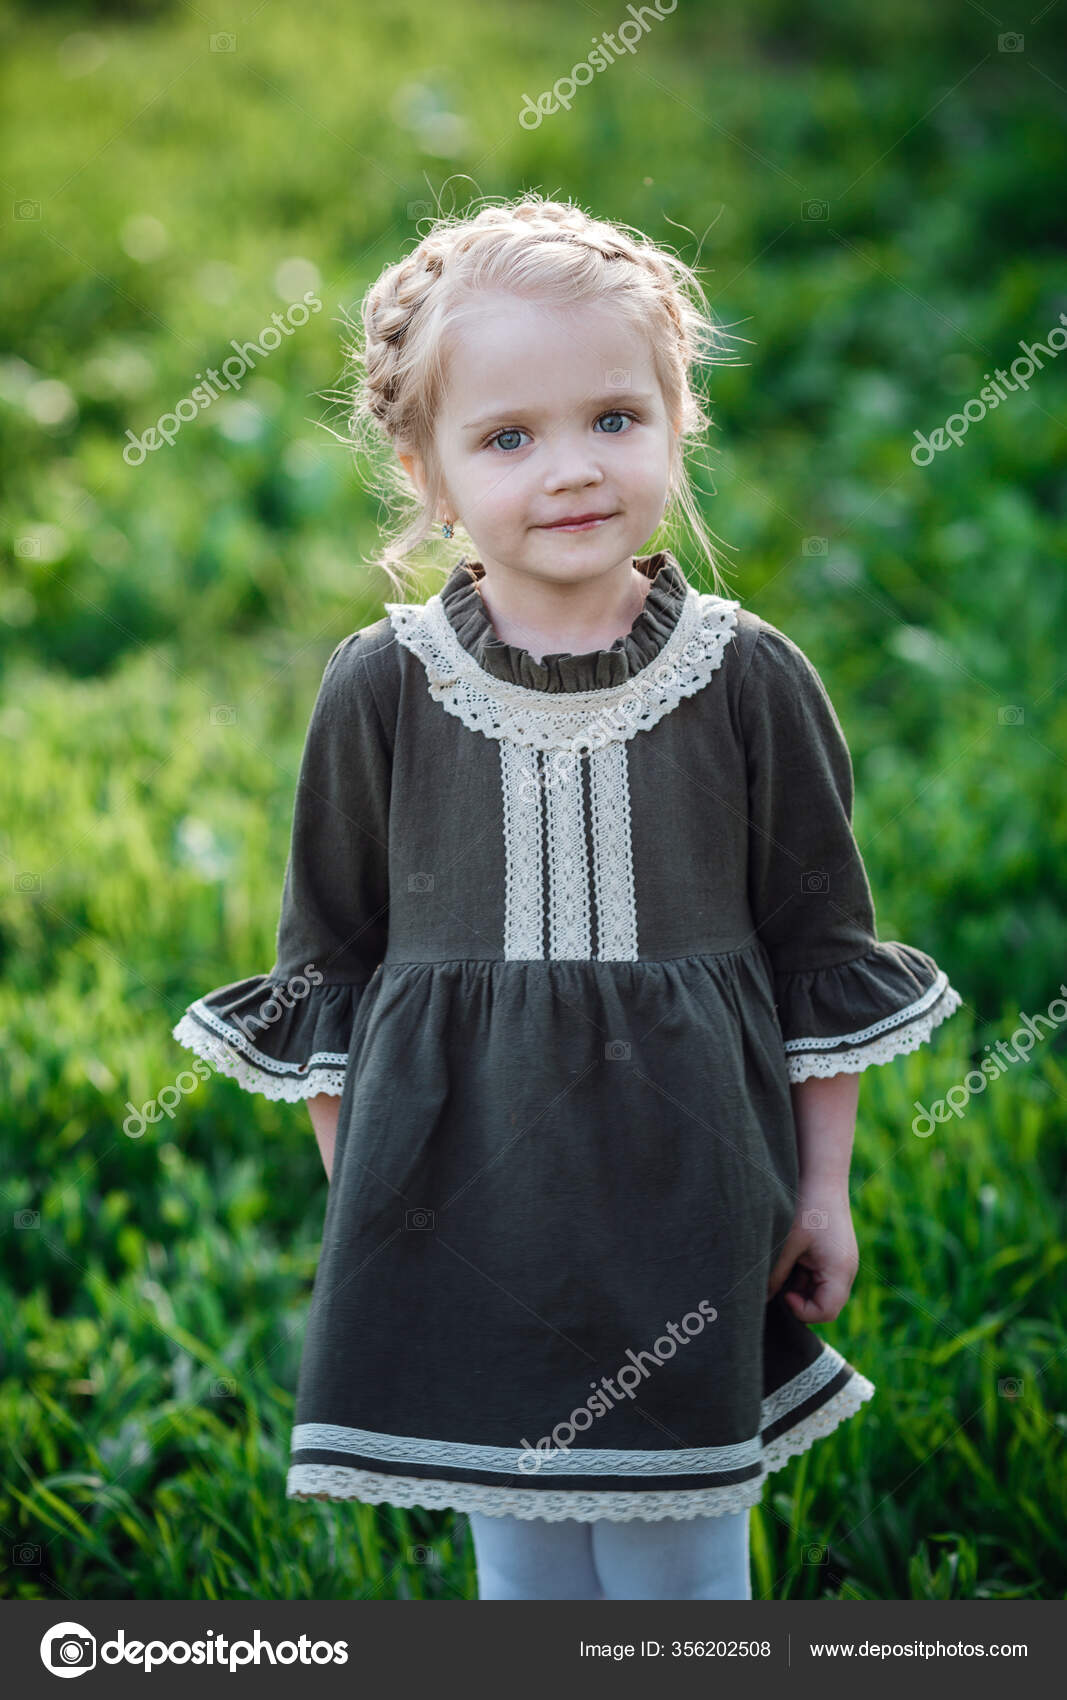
(560, 935)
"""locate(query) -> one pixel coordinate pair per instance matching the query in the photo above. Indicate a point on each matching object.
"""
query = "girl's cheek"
(504, 482)
(496, 499)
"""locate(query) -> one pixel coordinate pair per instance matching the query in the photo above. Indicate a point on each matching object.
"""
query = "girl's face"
(552, 413)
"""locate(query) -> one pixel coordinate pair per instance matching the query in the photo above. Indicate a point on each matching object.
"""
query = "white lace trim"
(510, 1460)
(545, 816)
(253, 1069)
(803, 1058)
(613, 854)
(332, 1481)
(569, 914)
(841, 1405)
(566, 720)
(815, 1376)
(521, 806)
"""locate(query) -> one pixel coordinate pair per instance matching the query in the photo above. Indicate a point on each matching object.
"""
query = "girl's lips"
(578, 525)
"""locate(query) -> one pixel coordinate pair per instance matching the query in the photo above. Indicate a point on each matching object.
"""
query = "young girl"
(576, 963)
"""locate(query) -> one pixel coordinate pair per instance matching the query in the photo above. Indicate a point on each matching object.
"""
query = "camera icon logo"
(68, 1649)
(814, 880)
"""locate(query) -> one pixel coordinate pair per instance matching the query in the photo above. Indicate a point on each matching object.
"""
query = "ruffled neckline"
(564, 671)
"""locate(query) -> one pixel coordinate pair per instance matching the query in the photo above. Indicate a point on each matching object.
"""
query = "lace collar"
(562, 670)
(567, 702)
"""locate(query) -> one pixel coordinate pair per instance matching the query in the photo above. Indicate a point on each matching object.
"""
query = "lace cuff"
(284, 1038)
(840, 1020)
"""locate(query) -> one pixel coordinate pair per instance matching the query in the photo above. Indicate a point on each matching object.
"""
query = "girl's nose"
(570, 469)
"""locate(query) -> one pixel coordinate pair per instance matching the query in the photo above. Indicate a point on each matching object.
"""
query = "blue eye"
(615, 415)
(511, 431)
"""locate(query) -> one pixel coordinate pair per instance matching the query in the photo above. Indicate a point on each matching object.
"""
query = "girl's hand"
(819, 1260)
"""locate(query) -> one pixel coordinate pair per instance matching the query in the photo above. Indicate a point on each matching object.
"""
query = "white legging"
(691, 1558)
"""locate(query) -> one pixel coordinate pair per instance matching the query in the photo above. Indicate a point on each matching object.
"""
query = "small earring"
(448, 529)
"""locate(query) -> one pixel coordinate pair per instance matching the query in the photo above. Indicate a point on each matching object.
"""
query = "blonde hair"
(543, 250)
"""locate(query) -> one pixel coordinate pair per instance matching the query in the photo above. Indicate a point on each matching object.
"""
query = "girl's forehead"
(500, 313)
(512, 348)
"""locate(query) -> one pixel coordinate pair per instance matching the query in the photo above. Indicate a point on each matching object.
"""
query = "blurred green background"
(875, 198)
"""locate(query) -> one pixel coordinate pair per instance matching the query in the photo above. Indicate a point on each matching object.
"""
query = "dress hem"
(333, 1482)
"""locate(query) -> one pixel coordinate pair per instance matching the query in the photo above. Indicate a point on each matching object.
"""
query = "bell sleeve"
(844, 999)
(287, 1033)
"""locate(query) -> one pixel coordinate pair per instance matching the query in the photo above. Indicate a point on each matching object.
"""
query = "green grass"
(151, 1318)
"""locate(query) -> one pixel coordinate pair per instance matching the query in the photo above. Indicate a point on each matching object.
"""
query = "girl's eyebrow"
(636, 397)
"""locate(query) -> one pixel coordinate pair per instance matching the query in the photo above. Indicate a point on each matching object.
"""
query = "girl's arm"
(287, 1034)
(820, 1256)
(841, 993)
(323, 1110)
(824, 1111)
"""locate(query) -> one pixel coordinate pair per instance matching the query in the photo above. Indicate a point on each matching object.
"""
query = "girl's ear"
(413, 467)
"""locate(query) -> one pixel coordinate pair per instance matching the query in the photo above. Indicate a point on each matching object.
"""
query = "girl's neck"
(551, 619)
